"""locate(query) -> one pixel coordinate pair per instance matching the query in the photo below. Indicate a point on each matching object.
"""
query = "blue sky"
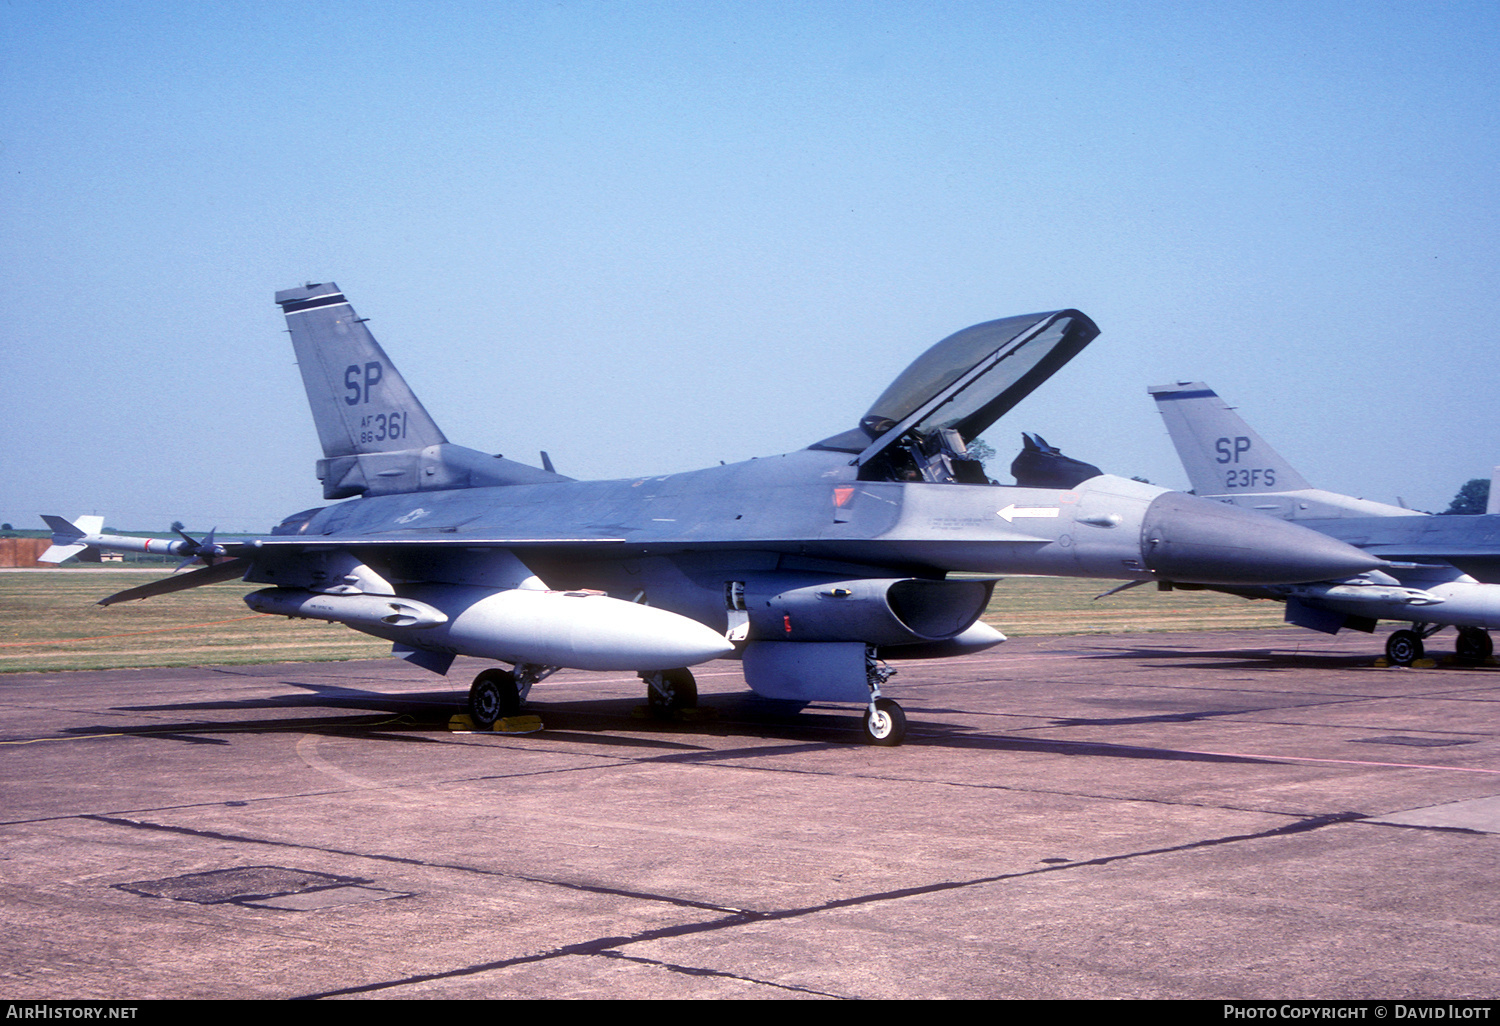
(651, 236)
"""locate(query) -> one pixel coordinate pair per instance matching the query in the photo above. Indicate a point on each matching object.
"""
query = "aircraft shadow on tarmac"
(419, 717)
(1240, 659)
(324, 696)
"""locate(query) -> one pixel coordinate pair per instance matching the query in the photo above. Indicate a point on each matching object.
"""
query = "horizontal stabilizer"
(229, 570)
(62, 553)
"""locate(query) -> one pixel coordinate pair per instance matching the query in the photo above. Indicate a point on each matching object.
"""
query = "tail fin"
(377, 438)
(1220, 452)
(65, 539)
(1225, 459)
(359, 400)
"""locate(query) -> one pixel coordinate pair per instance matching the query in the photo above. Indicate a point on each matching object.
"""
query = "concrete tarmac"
(1233, 815)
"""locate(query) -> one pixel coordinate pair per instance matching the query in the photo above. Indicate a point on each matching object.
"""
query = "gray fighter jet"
(1445, 569)
(812, 567)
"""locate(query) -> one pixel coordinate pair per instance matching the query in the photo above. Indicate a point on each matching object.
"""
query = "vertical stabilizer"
(360, 402)
(1226, 460)
(377, 439)
(1220, 452)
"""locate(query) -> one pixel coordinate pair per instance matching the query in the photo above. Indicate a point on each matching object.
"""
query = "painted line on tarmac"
(1355, 762)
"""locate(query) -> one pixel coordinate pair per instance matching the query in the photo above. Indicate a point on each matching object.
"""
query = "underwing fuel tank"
(575, 629)
(1192, 540)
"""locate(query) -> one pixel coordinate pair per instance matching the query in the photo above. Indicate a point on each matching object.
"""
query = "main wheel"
(493, 696)
(885, 725)
(1473, 646)
(670, 690)
(1403, 648)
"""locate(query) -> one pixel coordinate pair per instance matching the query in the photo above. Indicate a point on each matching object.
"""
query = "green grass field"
(1030, 606)
(52, 621)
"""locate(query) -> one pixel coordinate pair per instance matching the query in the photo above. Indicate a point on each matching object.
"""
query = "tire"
(678, 690)
(885, 725)
(1473, 646)
(1403, 648)
(492, 697)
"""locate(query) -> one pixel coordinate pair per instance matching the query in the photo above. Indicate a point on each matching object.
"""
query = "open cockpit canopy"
(920, 427)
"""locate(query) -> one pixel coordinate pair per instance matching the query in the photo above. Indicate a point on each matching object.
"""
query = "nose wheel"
(885, 723)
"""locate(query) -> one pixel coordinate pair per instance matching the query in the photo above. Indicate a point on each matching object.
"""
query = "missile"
(72, 539)
(580, 630)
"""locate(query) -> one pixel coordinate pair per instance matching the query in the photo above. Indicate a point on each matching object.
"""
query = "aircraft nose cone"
(1185, 538)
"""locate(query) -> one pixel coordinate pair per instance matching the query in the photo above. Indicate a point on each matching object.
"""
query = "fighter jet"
(1445, 570)
(813, 567)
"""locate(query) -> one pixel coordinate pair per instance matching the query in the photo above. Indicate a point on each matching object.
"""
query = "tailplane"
(377, 437)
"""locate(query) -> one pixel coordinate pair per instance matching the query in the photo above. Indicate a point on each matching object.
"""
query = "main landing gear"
(1473, 647)
(1404, 647)
(496, 693)
(670, 691)
(493, 696)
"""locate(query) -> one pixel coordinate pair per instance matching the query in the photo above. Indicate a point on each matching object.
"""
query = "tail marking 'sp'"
(377, 437)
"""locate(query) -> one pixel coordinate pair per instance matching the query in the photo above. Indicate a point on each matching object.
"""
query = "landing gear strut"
(885, 722)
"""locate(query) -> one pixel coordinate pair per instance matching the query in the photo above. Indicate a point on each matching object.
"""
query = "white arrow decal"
(1012, 511)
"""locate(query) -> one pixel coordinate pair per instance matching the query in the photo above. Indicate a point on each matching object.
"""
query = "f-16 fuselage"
(808, 509)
